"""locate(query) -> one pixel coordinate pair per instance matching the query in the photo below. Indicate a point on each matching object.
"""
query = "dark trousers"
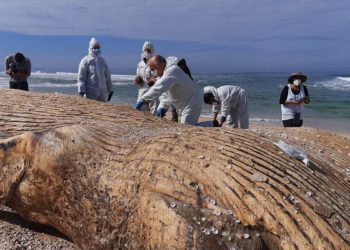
(292, 123)
(19, 85)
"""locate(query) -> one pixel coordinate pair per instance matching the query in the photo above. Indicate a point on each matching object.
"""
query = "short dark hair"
(208, 97)
(19, 57)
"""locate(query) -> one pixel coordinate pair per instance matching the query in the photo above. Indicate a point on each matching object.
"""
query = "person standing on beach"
(182, 92)
(232, 102)
(19, 68)
(145, 78)
(94, 78)
(293, 97)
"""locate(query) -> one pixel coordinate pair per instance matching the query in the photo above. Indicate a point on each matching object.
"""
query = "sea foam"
(337, 83)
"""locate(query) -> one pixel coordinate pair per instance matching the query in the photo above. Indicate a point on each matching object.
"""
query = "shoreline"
(206, 122)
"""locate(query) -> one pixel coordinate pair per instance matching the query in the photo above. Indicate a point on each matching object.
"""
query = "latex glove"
(223, 119)
(110, 96)
(139, 104)
(82, 94)
(216, 123)
(161, 112)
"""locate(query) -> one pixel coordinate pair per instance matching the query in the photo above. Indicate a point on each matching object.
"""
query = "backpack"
(182, 64)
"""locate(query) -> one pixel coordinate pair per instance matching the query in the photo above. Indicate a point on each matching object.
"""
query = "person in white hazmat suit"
(94, 78)
(182, 91)
(233, 104)
(145, 78)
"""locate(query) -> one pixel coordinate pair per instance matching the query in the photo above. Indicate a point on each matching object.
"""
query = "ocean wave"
(337, 83)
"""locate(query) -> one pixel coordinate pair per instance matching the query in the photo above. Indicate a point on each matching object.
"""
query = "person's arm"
(82, 75)
(162, 85)
(108, 79)
(284, 95)
(7, 66)
(307, 97)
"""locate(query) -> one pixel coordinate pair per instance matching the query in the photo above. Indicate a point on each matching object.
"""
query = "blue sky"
(214, 36)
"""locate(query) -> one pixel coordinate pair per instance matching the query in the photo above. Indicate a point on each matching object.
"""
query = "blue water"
(329, 93)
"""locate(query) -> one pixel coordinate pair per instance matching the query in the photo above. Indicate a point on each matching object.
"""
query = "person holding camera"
(293, 97)
(18, 67)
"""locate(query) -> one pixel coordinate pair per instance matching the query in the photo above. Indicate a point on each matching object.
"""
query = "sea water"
(329, 93)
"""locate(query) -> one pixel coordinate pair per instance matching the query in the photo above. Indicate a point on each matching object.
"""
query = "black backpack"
(182, 64)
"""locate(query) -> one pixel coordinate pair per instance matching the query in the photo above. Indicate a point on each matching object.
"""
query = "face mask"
(96, 52)
(297, 82)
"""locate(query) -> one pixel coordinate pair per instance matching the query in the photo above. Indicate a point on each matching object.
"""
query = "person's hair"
(19, 57)
(159, 60)
(208, 97)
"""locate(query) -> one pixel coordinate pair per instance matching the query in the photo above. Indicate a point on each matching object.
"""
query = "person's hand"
(216, 123)
(139, 104)
(110, 96)
(82, 94)
(161, 112)
(306, 100)
(138, 80)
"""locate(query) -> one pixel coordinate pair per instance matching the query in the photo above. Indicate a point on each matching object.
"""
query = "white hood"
(170, 61)
(213, 90)
(148, 45)
(92, 43)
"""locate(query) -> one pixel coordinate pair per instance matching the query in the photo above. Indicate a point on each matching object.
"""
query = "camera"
(13, 68)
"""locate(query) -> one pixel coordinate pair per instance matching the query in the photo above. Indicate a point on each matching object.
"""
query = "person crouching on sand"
(233, 104)
(293, 97)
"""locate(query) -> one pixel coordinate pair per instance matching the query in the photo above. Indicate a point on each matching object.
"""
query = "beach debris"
(308, 194)
(173, 204)
(203, 219)
(212, 202)
(221, 148)
(237, 221)
(336, 221)
(323, 210)
(219, 242)
(208, 158)
(257, 235)
(229, 166)
(293, 151)
(201, 157)
(207, 231)
(246, 236)
(259, 178)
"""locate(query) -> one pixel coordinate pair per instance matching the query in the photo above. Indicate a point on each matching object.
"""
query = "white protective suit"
(94, 78)
(233, 105)
(145, 72)
(182, 92)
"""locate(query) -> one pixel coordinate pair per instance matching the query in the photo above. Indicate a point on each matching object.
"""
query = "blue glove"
(161, 112)
(139, 104)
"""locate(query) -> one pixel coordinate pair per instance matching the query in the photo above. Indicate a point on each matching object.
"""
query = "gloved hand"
(139, 104)
(223, 119)
(161, 112)
(110, 96)
(216, 123)
(81, 94)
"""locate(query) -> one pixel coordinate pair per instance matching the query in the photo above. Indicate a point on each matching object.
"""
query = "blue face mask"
(96, 52)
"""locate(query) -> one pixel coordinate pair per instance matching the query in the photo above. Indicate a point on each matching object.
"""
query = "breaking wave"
(337, 83)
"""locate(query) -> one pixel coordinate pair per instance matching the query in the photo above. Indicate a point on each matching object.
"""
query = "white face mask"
(297, 82)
